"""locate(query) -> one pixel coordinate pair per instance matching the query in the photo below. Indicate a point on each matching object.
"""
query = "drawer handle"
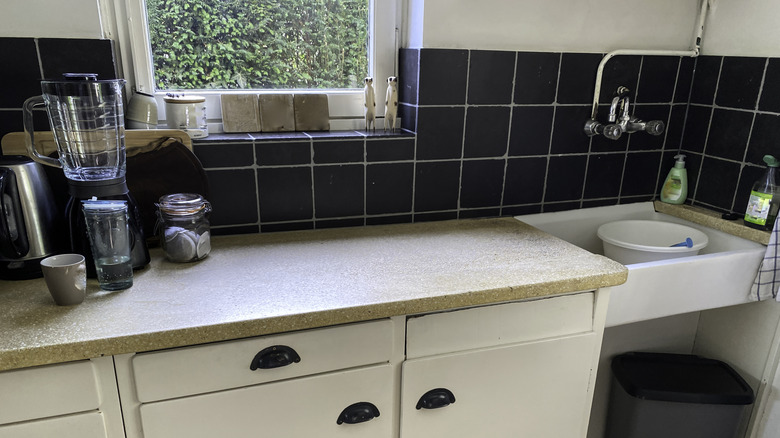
(274, 357)
(358, 413)
(436, 398)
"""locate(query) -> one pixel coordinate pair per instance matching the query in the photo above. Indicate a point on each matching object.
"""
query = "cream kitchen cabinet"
(511, 370)
(331, 382)
(507, 370)
(71, 400)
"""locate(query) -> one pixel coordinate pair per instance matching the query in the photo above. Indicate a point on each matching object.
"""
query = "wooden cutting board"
(13, 143)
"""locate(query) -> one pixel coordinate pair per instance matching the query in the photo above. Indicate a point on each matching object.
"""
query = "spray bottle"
(764, 200)
(675, 188)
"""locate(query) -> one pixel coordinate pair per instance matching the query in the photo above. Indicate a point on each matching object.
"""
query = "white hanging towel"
(767, 280)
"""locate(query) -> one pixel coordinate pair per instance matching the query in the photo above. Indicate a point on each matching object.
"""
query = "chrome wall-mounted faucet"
(620, 120)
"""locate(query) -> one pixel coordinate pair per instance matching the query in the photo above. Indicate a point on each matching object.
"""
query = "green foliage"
(281, 44)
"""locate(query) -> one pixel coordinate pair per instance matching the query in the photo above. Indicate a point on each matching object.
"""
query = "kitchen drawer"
(305, 407)
(49, 390)
(225, 365)
(500, 324)
(535, 389)
(89, 425)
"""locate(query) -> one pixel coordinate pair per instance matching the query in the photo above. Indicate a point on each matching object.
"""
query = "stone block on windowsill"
(311, 112)
(240, 113)
(276, 112)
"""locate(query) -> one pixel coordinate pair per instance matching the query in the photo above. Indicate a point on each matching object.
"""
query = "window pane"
(271, 44)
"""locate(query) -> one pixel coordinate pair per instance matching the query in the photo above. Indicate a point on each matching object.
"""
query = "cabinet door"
(90, 425)
(304, 407)
(533, 390)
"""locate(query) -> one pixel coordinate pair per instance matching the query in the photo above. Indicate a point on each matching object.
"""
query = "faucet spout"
(613, 109)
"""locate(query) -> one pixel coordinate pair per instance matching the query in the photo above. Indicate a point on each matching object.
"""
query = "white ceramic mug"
(66, 278)
(142, 112)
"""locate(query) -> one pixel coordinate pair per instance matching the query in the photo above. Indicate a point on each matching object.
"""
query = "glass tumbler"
(110, 240)
(183, 226)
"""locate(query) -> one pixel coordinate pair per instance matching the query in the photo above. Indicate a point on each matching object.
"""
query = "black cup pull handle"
(358, 413)
(274, 357)
(436, 398)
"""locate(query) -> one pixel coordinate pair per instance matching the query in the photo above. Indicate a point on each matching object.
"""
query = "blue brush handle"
(688, 243)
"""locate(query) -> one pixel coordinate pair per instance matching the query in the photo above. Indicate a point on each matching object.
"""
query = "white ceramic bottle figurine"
(391, 103)
(370, 103)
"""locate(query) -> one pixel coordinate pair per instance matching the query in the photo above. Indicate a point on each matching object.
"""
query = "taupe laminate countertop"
(260, 284)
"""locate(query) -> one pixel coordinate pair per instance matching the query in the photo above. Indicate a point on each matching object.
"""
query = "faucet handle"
(654, 127)
(592, 127)
(613, 131)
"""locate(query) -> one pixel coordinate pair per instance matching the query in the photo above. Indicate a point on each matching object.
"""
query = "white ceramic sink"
(720, 275)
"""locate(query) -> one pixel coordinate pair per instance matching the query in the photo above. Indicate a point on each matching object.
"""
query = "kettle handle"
(28, 130)
(11, 246)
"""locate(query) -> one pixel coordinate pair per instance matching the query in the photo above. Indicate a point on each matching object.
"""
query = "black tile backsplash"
(487, 133)
(389, 188)
(338, 190)
(23, 80)
(621, 71)
(740, 81)
(225, 155)
(436, 186)
(567, 135)
(729, 131)
(536, 77)
(605, 172)
(390, 150)
(280, 154)
(530, 131)
(565, 178)
(59, 55)
(440, 132)
(491, 77)
(765, 138)
(233, 196)
(770, 92)
(344, 151)
(285, 194)
(481, 183)
(524, 182)
(705, 79)
(731, 124)
(576, 78)
(659, 74)
(442, 77)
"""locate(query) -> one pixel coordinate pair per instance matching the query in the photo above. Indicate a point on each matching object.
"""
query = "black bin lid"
(680, 378)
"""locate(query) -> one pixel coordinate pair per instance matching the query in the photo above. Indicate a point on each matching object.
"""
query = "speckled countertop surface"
(253, 285)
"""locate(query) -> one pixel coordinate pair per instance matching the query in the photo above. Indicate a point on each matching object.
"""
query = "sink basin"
(720, 275)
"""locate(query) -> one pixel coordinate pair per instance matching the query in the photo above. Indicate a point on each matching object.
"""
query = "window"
(221, 46)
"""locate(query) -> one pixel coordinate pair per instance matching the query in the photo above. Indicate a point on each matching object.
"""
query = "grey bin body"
(658, 395)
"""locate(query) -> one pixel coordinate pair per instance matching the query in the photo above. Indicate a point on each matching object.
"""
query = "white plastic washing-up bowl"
(638, 241)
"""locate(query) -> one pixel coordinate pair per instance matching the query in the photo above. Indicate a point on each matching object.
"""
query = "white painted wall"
(734, 27)
(560, 25)
(50, 18)
(743, 28)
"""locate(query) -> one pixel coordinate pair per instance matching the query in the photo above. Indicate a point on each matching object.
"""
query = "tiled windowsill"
(291, 136)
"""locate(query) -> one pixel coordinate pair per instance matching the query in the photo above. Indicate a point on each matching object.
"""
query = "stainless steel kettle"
(28, 216)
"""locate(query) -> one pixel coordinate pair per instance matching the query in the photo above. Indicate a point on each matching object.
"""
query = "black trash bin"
(675, 396)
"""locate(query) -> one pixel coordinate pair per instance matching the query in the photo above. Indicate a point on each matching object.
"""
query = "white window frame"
(126, 23)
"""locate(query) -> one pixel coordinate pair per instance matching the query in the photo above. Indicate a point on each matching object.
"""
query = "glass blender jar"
(87, 118)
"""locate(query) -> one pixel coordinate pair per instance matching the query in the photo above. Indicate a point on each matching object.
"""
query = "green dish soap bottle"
(675, 188)
(764, 200)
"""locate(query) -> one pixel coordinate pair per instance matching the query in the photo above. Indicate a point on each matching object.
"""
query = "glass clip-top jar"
(183, 226)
